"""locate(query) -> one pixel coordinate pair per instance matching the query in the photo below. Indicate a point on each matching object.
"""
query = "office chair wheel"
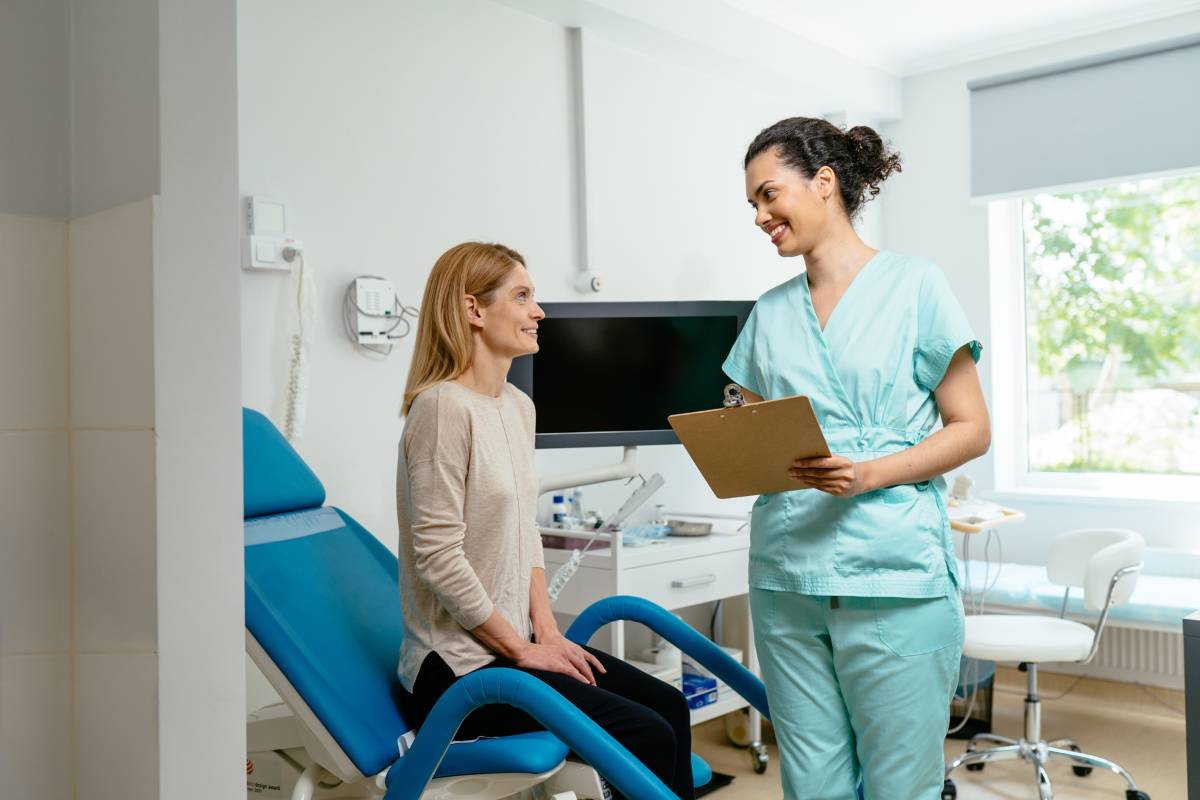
(977, 766)
(758, 752)
(1135, 794)
(1082, 772)
(949, 790)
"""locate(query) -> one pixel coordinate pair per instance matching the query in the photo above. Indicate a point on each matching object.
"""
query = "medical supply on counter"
(575, 503)
(643, 535)
(678, 527)
(664, 654)
(571, 566)
(558, 511)
(699, 691)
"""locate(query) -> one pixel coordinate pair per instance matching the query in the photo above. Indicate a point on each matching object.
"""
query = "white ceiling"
(910, 36)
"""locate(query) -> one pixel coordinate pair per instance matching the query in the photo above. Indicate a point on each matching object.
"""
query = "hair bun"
(872, 158)
(866, 143)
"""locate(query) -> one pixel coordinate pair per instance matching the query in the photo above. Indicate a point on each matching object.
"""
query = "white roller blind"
(1123, 114)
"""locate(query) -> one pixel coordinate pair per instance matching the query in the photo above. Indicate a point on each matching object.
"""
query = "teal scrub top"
(870, 376)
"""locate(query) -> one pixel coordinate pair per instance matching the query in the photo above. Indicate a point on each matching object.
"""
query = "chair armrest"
(409, 776)
(683, 636)
(1108, 604)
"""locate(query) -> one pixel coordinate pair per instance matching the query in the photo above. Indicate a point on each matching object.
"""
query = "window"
(1111, 308)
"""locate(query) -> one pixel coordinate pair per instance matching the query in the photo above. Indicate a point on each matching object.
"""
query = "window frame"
(1010, 369)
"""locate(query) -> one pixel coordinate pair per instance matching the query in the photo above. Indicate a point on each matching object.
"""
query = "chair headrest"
(275, 478)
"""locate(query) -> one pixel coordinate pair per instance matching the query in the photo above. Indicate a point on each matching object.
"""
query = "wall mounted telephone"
(373, 315)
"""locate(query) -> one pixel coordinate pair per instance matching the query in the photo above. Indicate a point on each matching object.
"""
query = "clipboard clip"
(733, 396)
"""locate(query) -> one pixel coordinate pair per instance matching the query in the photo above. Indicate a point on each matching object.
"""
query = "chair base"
(1038, 754)
(1034, 750)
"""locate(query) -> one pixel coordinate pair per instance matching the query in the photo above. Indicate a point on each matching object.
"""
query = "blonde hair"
(443, 347)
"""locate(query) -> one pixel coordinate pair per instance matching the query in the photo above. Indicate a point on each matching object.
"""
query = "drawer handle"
(698, 580)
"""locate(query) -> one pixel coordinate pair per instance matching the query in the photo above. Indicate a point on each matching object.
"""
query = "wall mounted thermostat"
(266, 234)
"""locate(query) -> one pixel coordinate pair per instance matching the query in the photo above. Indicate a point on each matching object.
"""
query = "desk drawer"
(675, 584)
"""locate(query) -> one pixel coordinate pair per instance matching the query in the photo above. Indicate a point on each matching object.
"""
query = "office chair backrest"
(322, 599)
(1089, 558)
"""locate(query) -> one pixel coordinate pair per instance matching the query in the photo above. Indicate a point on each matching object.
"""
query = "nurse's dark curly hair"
(857, 156)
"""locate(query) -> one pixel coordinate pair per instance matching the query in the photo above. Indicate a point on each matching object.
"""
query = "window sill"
(1173, 495)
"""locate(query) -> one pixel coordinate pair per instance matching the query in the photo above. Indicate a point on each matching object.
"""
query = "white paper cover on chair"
(1012, 637)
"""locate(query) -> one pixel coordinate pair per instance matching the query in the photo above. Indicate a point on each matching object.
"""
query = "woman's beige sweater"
(466, 498)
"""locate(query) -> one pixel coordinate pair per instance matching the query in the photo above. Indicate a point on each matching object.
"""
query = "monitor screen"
(611, 373)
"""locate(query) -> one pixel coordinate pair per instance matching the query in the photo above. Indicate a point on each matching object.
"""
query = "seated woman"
(472, 578)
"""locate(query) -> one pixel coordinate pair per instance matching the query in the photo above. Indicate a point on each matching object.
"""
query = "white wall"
(113, 497)
(114, 97)
(197, 389)
(927, 211)
(36, 757)
(414, 126)
(34, 174)
(119, 428)
(393, 135)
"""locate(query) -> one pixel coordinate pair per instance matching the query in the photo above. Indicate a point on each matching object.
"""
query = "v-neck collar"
(826, 353)
(812, 310)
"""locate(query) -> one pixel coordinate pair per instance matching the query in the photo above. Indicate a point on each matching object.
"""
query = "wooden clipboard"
(746, 450)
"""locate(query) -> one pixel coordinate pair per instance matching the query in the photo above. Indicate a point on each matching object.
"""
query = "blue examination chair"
(323, 624)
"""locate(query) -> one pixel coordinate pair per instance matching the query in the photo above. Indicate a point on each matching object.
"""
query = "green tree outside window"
(1112, 288)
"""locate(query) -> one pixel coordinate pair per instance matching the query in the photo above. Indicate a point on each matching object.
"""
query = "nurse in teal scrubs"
(858, 621)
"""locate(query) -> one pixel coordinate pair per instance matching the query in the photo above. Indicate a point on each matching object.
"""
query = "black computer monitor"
(611, 373)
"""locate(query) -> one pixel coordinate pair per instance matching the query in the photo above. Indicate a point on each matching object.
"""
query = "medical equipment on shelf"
(568, 569)
(642, 535)
(373, 315)
(324, 625)
(972, 514)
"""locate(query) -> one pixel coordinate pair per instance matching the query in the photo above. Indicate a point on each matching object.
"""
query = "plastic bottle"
(574, 504)
(576, 507)
(558, 512)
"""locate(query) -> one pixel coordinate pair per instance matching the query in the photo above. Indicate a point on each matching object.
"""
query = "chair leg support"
(1088, 760)
(306, 785)
(409, 776)
(686, 638)
(1045, 789)
(1005, 753)
(991, 737)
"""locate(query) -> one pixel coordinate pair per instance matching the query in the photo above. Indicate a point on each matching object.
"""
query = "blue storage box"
(699, 690)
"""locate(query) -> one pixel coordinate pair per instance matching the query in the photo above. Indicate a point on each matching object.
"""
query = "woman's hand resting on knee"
(559, 654)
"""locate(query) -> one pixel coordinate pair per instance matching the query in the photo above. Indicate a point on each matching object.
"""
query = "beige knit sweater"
(466, 498)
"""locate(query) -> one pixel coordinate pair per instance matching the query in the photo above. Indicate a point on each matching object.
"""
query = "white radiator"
(1134, 655)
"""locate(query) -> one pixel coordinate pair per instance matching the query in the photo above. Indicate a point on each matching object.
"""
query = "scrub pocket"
(916, 626)
(886, 531)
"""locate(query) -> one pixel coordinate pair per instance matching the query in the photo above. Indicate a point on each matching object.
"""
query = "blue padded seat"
(701, 771)
(275, 479)
(322, 599)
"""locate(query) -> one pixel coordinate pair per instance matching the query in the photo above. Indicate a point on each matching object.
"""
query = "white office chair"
(1103, 562)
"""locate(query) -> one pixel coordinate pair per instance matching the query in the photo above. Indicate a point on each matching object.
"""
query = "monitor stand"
(626, 468)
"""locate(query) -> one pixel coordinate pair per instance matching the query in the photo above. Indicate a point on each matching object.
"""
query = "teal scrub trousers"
(860, 690)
